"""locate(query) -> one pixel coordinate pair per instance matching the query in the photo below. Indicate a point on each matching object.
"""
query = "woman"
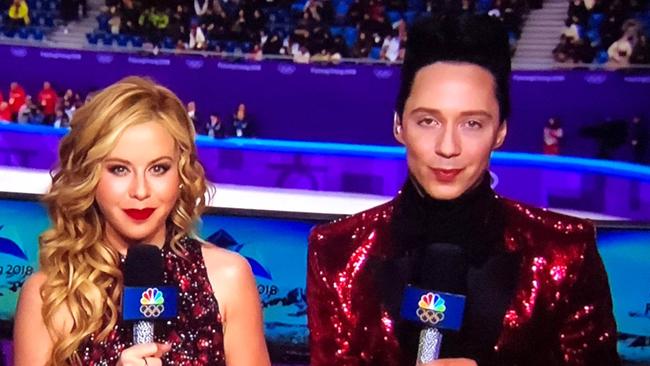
(536, 290)
(553, 134)
(241, 123)
(129, 174)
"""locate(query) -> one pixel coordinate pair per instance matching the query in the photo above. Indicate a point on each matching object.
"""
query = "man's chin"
(444, 193)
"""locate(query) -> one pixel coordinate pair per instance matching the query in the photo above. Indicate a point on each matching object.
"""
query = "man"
(215, 128)
(536, 290)
(17, 97)
(48, 99)
(191, 112)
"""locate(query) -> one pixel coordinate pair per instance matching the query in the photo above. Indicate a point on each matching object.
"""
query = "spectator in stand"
(47, 98)
(302, 56)
(578, 12)
(640, 140)
(241, 123)
(238, 28)
(70, 103)
(154, 22)
(191, 112)
(563, 51)
(339, 49)
(129, 17)
(115, 20)
(62, 120)
(620, 52)
(375, 25)
(573, 30)
(25, 111)
(5, 112)
(78, 102)
(313, 10)
(356, 12)
(641, 51)
(303, 30)
(319, 42)
(552, 136)
(33, 113)
(17, 98)
(18, 14)
(396, 5)
(201, 7)
(273, 45)
(215, 128)
(178, 26)
(256, 53)
(322, 57)
(362, 48)
(256, 23)
(390, 50)
(197, 39)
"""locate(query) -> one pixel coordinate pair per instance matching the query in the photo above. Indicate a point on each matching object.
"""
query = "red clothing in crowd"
(17, 98)
(48, 99)
(5, 112)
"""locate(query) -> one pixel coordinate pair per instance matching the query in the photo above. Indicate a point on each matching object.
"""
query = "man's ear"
(397, 128)
(501, 135)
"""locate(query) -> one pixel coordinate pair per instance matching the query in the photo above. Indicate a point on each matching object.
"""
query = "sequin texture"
(196, 334)
(560, 313)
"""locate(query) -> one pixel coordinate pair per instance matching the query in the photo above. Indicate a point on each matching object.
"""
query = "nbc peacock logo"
(152, 303)
(431, 308)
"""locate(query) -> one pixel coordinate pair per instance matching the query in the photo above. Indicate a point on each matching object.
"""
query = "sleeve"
(588, 331)
(327, 337)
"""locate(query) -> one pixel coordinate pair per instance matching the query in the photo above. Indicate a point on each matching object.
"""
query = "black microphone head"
(143, 266)
(443, 267)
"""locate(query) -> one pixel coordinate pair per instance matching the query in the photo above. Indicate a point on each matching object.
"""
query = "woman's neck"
(122, 244)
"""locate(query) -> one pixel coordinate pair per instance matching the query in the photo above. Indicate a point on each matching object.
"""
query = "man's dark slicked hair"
(476, 39)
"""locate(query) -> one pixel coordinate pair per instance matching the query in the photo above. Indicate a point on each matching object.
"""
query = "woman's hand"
(146, 354)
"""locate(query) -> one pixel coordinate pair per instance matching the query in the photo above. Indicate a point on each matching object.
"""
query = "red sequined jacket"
(560, 314)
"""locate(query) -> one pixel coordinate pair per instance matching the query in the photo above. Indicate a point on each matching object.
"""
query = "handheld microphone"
(439, 301)
(145, 297)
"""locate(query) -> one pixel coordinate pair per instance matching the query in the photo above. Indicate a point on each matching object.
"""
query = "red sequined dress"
(196, 334)
(537, 291)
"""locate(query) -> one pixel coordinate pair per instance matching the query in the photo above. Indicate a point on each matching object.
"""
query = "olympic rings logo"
(429, 316)
(152, 311)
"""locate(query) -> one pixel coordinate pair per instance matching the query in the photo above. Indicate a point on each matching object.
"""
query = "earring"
(180, 186)
(396, 123)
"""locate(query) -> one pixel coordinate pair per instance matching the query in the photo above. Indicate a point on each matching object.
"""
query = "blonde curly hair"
(83, 274)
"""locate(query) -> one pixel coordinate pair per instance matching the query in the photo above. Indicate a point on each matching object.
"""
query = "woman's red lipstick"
(140, 215)
(446, 175)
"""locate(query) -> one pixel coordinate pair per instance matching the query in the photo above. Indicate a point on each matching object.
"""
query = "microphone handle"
(429, 345)
(143, 332)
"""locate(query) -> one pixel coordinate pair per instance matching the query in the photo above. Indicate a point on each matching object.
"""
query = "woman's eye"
(118, 170)
(160, 169)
